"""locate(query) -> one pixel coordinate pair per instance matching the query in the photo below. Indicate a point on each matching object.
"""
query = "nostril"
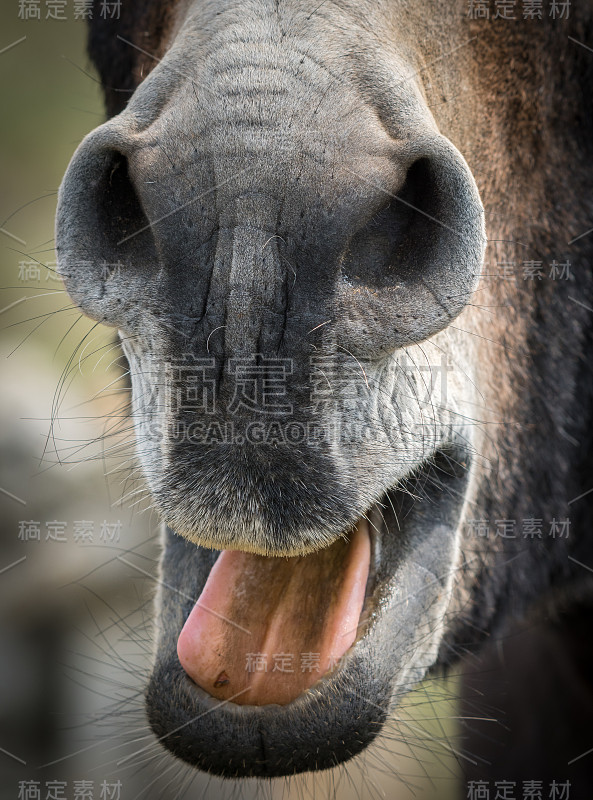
(412, 268)
(389, 244)
(103, 235)
(119, 205)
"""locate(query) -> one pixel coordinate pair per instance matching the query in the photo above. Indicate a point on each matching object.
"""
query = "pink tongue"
(265, 629)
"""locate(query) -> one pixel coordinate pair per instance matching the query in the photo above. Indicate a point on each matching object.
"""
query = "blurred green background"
(75, 599)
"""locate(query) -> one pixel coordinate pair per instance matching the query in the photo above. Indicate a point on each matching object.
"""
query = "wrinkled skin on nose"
(340, 223)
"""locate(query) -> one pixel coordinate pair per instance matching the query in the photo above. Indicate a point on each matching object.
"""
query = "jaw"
(414, 554)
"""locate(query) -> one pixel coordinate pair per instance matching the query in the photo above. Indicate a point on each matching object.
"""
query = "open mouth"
(265, 630)
(253, 676)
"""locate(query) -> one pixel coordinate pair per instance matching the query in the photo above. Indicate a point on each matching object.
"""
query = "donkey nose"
(412, 268)
(398, 254)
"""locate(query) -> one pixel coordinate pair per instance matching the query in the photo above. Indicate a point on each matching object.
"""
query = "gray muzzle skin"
(256, 203)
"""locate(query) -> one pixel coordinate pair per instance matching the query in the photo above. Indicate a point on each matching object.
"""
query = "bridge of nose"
(249, 289)
(278, 200)
(255, 113)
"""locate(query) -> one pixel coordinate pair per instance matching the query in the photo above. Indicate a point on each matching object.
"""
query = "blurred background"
(79, 543)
